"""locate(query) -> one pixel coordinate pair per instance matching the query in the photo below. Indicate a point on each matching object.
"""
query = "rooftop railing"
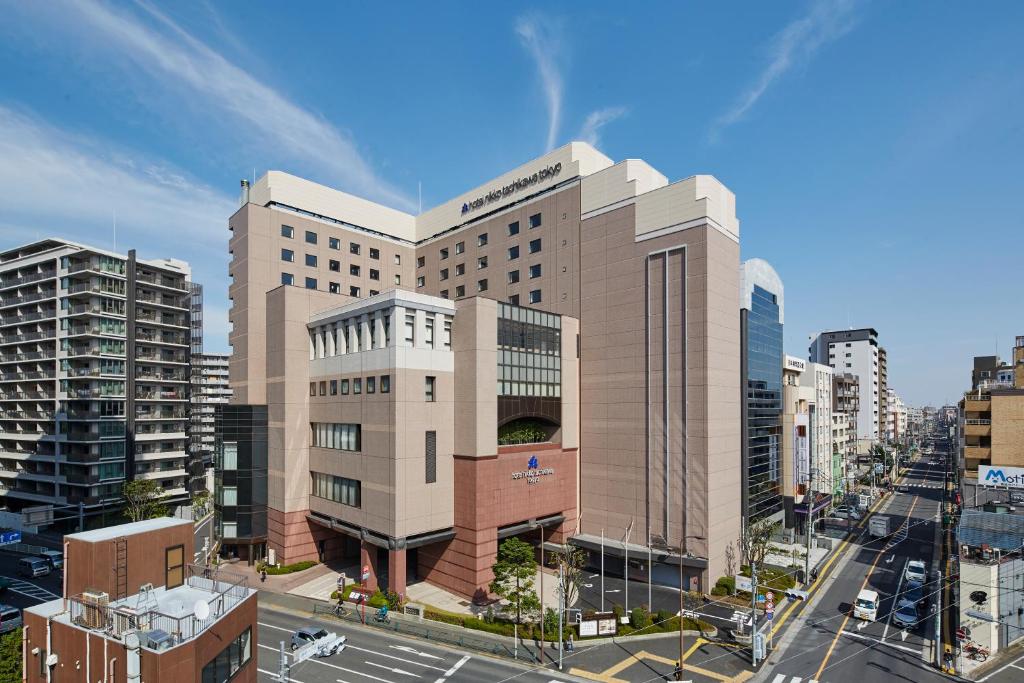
(142, 612)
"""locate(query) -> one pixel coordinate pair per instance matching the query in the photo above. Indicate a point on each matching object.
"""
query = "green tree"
(143, 499)
(514, 575)
(10, 656)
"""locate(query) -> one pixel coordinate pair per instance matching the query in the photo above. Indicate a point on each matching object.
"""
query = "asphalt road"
(373, 655)
(830, 644)
(25, 592)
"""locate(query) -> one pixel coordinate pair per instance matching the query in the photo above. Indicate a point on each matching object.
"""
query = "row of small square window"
(481, 286)
(481, 241)
(335, 243)
(460, 269)
(356, 385)
(333, 287)
(335, 266)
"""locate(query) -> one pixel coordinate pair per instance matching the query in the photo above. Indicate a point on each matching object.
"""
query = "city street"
(829, 644)
(25, 592)
(375, 655)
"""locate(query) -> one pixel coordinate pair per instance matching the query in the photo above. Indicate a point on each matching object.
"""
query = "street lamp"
(682, 647)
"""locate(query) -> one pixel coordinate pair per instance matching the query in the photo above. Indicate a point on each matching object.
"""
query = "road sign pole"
(753, 616)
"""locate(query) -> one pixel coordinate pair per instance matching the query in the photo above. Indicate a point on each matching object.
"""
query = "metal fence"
(435, 631)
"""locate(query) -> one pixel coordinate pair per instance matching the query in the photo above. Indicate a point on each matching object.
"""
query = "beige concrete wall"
(1008, 430)
(474, 343)
(287, 371)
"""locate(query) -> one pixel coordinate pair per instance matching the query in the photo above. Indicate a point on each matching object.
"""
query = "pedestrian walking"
(568, 644)
(263, 575)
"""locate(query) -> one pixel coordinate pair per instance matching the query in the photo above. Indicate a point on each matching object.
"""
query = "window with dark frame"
(535, 221)
(323, 388)
(288, 231)
(310, 237)
(513, 228)
(385, 384)
(334, 387)
(371, 385)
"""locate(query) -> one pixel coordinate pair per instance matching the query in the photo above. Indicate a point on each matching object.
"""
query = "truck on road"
(878, 526)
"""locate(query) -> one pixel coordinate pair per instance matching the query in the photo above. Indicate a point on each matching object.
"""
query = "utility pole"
(602, 570)
(938, 625)
(810, 527)
(282, 671)
(753, 616)
(561, 610)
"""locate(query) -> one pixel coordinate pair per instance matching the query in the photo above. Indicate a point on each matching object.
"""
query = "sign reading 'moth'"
(515, 186)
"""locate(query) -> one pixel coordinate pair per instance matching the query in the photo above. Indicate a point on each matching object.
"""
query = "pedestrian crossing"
(31, 590)
(924, 486)
(898, 536)
(783, 678)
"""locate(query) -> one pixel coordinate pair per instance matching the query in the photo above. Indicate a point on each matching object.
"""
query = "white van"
(866, 606)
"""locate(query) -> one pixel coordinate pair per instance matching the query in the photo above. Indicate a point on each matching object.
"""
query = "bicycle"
(976, 652)
(339, 610)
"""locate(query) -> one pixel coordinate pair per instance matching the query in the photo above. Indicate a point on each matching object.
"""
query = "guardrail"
(427, 630)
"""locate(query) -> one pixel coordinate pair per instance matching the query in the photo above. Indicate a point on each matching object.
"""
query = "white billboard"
(1010, 477)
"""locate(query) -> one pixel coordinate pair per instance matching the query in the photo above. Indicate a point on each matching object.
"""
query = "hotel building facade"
(554, 353)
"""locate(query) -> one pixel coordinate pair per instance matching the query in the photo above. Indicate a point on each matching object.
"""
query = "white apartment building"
(210, 387)
(855, 352)
(818, 378)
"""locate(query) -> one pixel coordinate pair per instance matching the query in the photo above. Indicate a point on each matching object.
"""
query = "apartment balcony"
(27, 317)
(25, 376)
(26, 279)
(152, 356)
(163, 320)
(161, 474)
(35, 495)
(19, 299)
(161, 415)
(176, 303)
(94, 352)
(974, 403)
(161, 339)
(96, 267)
(26, 414)
(166, 395)
(150, 377)
(977, 452)
(27, 337)
(93, 288)
(977, 427)
(159, 435)
(31, 355)
(28, 396)
(89, 394)
(171, 283)
(143, 455)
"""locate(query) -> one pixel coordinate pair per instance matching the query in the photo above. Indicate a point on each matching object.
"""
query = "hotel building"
(94, 376)
(555, 352)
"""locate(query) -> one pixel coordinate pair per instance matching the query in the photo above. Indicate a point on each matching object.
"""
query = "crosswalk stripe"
(779, 678)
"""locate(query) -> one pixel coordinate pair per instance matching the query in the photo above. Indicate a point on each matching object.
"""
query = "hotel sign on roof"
(517, 185)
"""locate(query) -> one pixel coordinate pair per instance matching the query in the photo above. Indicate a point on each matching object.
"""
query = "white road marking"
(274, 675)
(1001, 669)
(391, 669)
(412, 650)
(779, 678)
(452, 670)
(30, 590)
(880, 642)
(349, 646)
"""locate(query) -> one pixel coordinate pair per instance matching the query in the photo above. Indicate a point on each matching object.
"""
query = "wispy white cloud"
(233, 100)
(796, 44)
(542, 38)
(590, 132)
(61, 184)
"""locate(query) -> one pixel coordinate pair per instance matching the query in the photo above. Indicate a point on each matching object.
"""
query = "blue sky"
(875, 148)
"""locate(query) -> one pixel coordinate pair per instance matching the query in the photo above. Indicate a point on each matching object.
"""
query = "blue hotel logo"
(533, 463)
(996, 475)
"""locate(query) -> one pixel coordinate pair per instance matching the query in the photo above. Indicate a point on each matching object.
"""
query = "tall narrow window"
(431, 457)
(429, 386)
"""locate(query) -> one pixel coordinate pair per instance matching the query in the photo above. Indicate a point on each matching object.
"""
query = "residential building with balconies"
(209, 389)
(991, 414)
(94, 375)
(857, 352)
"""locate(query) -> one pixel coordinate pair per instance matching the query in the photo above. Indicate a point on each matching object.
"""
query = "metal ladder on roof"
(121, 568)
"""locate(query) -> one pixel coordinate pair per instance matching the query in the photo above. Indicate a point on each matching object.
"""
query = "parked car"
(10, 618)
(846, 512)
(913, 593)
(33, 567)
(54, 558)
(906, 615)
(916, 571)
(866, 606)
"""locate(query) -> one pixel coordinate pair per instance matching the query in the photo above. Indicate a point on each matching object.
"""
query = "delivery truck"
(878, 526)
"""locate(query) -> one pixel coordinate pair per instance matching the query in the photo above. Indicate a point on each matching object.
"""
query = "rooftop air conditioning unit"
(94, 610)
(159, 640)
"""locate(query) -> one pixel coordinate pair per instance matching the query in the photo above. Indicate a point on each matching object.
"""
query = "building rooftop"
(112, 532)
(174, 611)
(995, 530)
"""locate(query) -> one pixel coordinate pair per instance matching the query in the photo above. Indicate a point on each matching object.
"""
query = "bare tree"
(756, 541)
(572, 560)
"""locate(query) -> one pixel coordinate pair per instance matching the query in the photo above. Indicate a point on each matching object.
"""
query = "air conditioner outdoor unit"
(94, 609)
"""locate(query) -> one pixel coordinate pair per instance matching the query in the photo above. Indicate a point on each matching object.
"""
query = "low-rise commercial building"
(134, 608)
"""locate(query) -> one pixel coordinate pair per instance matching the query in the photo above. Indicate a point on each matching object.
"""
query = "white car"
(915, 571)
(846, 512)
